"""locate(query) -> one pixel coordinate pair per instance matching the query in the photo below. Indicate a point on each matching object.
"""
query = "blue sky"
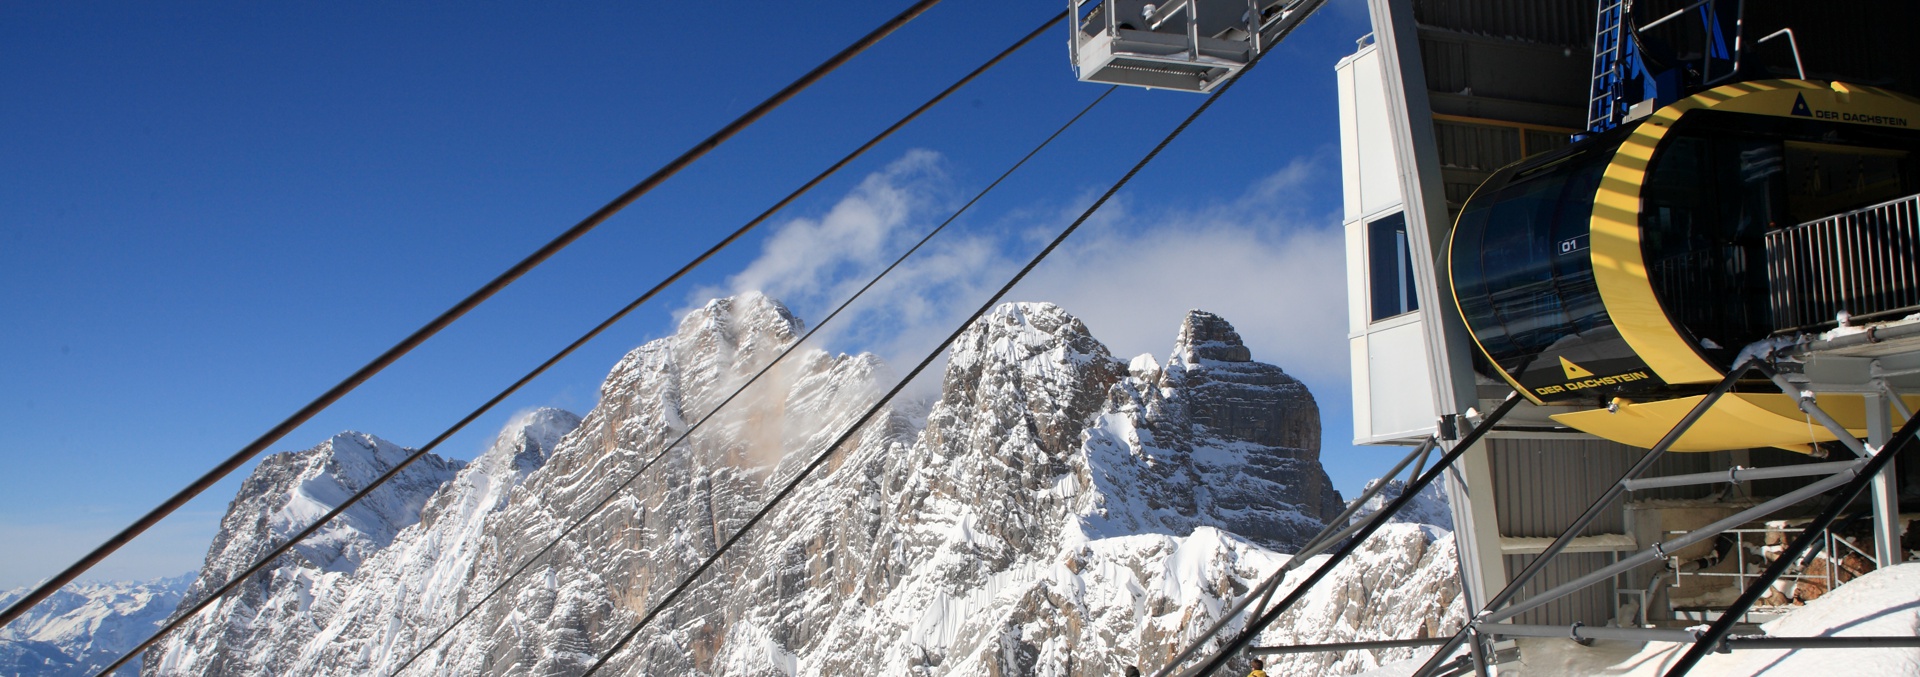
(210, 213)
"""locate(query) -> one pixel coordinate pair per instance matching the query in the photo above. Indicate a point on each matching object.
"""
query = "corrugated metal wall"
(1481, 147)
(1592, 606)
(1541, 486)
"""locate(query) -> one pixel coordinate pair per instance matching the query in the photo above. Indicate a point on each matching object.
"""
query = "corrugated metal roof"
(1557, 22)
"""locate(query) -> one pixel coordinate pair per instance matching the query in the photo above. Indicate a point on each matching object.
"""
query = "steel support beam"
(1814, 532)
(1737, 474)
(1803, 398)
(1739, 642)
(1247, 634)
(1449, 346)
(1886, 497)
(1580, 632)
(1593, 511)
(1733, 642)
(1345, 646)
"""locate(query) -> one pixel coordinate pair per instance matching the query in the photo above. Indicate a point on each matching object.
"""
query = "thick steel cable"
(932, 356)
(1718, 630)
(472, 301)
(1379, 519)
(264, 561)
(636, 474)
(604, 501)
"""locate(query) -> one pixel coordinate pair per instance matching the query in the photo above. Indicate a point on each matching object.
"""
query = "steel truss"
(1849, 477)
(1353, 534)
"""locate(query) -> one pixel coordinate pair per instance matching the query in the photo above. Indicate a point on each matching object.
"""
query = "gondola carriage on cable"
(1184, 45)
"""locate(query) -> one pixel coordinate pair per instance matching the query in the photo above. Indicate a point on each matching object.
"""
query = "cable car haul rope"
(574, 234)
(271, 556)
(472, 301)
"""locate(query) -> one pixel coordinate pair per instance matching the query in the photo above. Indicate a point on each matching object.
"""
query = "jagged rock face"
(1429, 507)
(1214, 439)
(1056, 511)
(580, 597)
(421, 576)
(84, 627)
(1403, 583)
(1020, 386)
(258, 628)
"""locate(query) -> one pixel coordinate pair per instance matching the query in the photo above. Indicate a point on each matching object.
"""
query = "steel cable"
(264, 561)
(827, 453)
(1407, 494)
(644, 467)
(419, 336)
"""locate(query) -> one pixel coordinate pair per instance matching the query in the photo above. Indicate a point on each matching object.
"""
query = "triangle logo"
(1573, 370)
(1800, 106)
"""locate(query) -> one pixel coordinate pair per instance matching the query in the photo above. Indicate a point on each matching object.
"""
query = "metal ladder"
(1610, 46)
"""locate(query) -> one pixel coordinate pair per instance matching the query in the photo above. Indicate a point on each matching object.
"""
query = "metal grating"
(1864, 262)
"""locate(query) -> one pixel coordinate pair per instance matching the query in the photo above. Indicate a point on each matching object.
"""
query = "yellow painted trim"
(1490, 122)
(1619, 267)
(1737, 421)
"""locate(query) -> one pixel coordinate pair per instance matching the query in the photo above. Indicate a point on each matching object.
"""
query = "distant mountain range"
(1055, 511)
(85, 627)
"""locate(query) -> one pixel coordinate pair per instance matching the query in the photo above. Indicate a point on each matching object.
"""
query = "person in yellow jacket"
(1259, 669)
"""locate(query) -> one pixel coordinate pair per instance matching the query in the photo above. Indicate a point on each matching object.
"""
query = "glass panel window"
(1390, 263)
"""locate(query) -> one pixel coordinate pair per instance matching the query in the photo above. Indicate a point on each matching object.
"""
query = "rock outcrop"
(1057, 511)
(260, 627)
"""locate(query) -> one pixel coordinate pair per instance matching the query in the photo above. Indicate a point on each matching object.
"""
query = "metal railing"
(1863, 263)
(1833, 547)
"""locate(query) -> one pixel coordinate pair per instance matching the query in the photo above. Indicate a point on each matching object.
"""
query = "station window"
(1390, 262)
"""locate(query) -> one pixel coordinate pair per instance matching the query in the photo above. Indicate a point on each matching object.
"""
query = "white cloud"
(1274, 270)
(1262, 261)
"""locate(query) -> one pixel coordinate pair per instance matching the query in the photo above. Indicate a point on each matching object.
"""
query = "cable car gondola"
(1634, 265)
(1185, 45)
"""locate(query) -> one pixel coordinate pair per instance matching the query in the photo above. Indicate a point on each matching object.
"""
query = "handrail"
(1797, 67)
(1861, 261)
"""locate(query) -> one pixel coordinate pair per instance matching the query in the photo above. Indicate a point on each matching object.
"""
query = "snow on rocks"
(257, 628)
(84, 627)
(1056, 511)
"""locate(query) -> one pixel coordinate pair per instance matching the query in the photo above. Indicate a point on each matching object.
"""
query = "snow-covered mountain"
(1429, 507)
(85, 627)
(1057, 511)
(249, 631)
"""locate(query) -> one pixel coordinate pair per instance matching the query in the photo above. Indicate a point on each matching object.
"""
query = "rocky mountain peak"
(1211, 439)
(747, 322)
(1021, 353)
(286, 492)
(1206, 336)
(1055, 511)
(530, 437)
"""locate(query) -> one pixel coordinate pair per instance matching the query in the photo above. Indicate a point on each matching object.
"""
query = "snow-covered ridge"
(244, 632)
(1057, 510)
(86, 626)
